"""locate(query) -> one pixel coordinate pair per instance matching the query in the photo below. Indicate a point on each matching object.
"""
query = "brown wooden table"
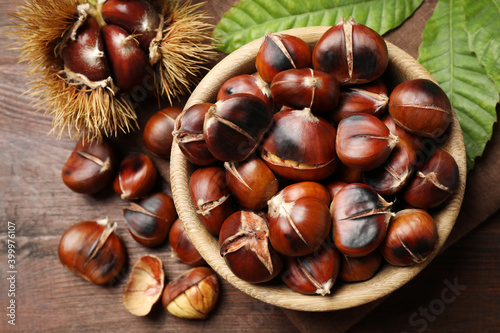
(458, 292)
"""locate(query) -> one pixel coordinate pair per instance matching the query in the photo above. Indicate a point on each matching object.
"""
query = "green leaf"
(482, 23)
(446, 55)
(251, 19)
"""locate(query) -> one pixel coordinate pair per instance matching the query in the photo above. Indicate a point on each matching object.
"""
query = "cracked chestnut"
(411, 238)
(244, 244)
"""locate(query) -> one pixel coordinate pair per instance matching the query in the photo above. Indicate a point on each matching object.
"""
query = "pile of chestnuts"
(299, 165)
(93, 250)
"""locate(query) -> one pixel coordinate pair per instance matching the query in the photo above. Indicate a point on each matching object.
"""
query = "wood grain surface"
(51, 299)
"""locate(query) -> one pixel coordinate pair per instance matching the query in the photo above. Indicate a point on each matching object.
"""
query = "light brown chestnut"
(182, 247)
(244, 244)
(90, 167)
(136, 177)
(193, 294)
(149, 220)
(315, 273)
(411, 238)
(280, 52)
(144, 286)
(93, 250)
(157, 135)
(351, 51)
(360, 218)
(251, 182)
(211, 197)
(300, 146)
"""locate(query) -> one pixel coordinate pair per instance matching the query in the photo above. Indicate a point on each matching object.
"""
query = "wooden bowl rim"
(343, 295)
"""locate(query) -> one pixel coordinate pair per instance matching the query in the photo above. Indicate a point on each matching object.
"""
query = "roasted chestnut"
(306, 88)
(157, 135)
(411, 238)
(421, 107)
(90, 167)
(188, 134)
(244, 244)
(150, 220)
(315, 273)
(360, 218)
(136, 177)
(280, 52)
(434, 182)
(211, 197)
(364, 142)
(251, 182)
(355, 269)
(182, 247)
(235, 125)
(298, 225)
(288, 148)
(352, 52)
(93, 250)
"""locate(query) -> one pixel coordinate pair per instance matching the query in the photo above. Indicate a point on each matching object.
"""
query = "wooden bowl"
(402, 67)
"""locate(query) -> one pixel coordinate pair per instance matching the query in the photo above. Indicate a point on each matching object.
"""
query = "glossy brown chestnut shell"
(300, 146)
(299, 224)
(244, 244)
(315, 273)
(157, 135)
(182, 247)
(411, 238)
(306, 88)
(234, 126)
(352, 52)
(421, 107)
(136, 177)
(355, 269)
(251, 182)
(211, 197)
(434, 182)
(149, 220)
(188, 134)
(90, 167)
(364, 142)
(360, 218)
(93, 250)
(280, 52)
(246, 84)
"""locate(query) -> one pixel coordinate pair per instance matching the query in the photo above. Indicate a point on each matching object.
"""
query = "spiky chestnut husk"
(97, 109)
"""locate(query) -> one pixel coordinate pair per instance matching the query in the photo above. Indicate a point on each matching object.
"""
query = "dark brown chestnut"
(368, 98)
(157, 135)
(411, 238)
(434, 182)
(246, 84)
(211, 197)
(251, 182)
(235, 126)
(150, 220)
(136, 177)
(356, 269)
(300, 146)
(364, 142)
(280, 52)
(352, 52)
(93, 250)
(182, 247)
(298, 225)
(188, 134)
(90, 167)
(306, 88)
(315, 273)
(360, 218)
(244, 244)
(347, 174)
(421, 107)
